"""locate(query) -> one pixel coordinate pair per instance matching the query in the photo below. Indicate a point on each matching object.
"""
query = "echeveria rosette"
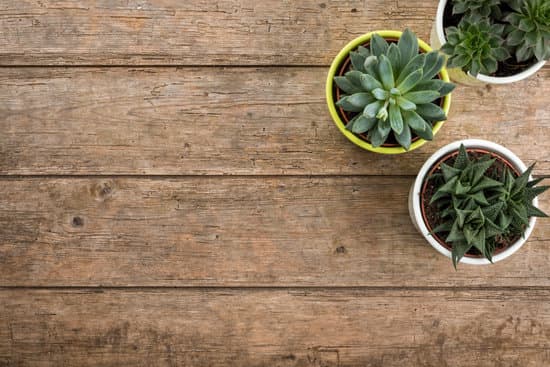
(391, 88)
(476, 45)
(477, 209)
(485, 8)
(528, 31)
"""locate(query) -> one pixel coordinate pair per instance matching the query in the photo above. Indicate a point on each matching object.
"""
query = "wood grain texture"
(301, 328)
(343, 231)
(195, 32)
(224, 121)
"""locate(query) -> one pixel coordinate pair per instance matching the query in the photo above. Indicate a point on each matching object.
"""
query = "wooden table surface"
(173, 192)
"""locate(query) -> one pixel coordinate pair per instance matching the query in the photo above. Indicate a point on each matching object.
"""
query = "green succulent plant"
(477, 210)
(517, 194)
(529, 29)
(476, 45)
(484, 8)
(391, 89)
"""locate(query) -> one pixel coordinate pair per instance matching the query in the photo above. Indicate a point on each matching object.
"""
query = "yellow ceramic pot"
(334, 68)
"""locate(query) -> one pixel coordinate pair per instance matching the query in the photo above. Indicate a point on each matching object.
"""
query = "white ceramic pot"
(437, 39)
(414, 198)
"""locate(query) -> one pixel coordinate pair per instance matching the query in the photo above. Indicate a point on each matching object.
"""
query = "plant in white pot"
(475, 201)
(493, 41)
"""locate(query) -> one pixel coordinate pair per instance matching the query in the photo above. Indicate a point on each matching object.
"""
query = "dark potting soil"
(347, 116)
(431, 212)
(505, 68)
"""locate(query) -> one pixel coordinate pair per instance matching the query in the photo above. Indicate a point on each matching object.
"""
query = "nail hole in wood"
(78, 222)
(341, 250)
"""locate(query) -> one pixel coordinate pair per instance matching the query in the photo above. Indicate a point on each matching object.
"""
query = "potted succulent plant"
(493, 41)
(388, 92)
(475, 201)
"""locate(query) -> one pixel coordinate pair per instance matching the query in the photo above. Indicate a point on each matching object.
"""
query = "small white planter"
(437, 39)
(414, 198)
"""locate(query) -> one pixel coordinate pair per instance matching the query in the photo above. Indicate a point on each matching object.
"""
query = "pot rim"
(417, 187)
(482, 77)
(332, 107)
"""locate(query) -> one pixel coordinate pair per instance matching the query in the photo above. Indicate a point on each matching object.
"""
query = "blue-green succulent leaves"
(392, 88)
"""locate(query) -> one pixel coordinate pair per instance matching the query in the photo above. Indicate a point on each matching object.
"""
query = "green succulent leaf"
(414, 120)
(408, 46)
(347, 105)
(446, 89)
(386, 72)
(449, 172)
(347, 86)
(414, 64)
(410, 81)
(405, 104)
(430, 111)
(396, 120)
(420, 97)
(404, 138)
(515, 37)
(380, 94)
(394, 55)
(371, 110)
(459, 250)
(363, 51)
(426, 133)
(363, 124)
(354, 77)
(462, 161)
(370, 83)
(379, 134)
(358, 60)
(433, 64)
(533, 211)
(360, 100)
(384, 128)
(378, 45)
(351, 122)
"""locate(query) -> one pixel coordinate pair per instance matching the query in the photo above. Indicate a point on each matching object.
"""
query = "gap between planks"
(290, 288)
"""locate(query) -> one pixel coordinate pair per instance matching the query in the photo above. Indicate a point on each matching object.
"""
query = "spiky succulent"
(476, 45)
(479, 210)
(529, 29)
(517, 194)
(391, 89)
(484, 8)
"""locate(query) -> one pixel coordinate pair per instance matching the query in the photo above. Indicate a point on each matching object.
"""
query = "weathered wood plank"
(275, 328)
(227, 121)
(195, 32)
(281, 231)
